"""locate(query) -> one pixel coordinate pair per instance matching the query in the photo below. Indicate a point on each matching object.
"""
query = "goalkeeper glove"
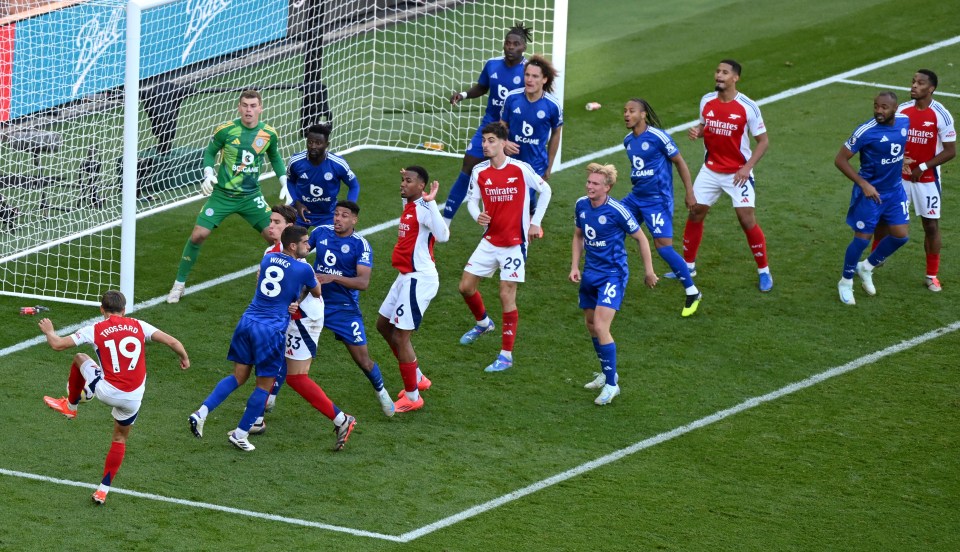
(284, 193)
(209, 181)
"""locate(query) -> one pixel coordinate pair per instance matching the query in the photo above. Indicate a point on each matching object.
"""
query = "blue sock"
(852, 256)
(596, 345)
(278, 383)
(376, 379)
(456, 196)
(220, 393)
(255, 405)
(885, 248)
(677, 264)
(608, 361)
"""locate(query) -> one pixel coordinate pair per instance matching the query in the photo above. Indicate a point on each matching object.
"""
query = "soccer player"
(501, 75)
(314, 178)
(534, 118)
(878, 194)
(931, 142)
(119, 343)
(258, 341)
(343, 265)
(421, 224)
(504, 186)
(235, 187)
(727, 120)
(653, 154)
(601, 223)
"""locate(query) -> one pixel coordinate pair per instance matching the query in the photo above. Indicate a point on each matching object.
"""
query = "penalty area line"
(679, 431)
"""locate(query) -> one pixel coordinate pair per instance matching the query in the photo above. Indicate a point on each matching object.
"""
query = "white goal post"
(167, 72)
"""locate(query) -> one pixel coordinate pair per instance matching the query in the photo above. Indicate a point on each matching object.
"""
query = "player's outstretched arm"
(175, 346)
(56, 342)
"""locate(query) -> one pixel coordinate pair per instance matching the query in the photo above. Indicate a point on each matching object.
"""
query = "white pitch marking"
(889, 87)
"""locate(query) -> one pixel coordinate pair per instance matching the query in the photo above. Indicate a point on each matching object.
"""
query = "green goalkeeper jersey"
(242, 159)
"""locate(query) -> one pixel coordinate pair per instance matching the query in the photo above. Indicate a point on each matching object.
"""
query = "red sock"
(758, 245)
(933, 264)
(875, 243)
(510, 322)
(408, 372)
(114, 459)
(475, 302)
(75, 384)
(692, 236)
(309, 390)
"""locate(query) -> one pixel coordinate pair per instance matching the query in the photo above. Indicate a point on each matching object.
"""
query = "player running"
(500, 75)
(119, 342)
(878, 194)
(343, 265)
(727, 120)
(652, 154)
(314, 178)
(235, 186)
(504, 186)
(421, 224)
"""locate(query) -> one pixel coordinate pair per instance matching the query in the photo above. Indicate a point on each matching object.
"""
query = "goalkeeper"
(235, 187)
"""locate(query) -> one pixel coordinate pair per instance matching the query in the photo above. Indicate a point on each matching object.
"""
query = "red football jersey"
(725, 131)
(421, 224)
(119, 342)
(506, 198)
(929, 129)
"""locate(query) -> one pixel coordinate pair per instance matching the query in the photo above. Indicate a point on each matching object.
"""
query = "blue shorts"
(864, 214)
(475, 147)
(656, 214)
(346, 323)
(258, 345)
(602, 289)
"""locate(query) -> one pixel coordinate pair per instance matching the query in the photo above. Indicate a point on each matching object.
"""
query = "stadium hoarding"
(65, 54)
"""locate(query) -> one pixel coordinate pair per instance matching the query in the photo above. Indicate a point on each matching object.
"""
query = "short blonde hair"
(609, 172)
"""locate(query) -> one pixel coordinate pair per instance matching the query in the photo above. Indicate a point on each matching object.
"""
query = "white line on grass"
(207, 506)
(550, 481)
(583, 468)
(889, 87)
(786, 94)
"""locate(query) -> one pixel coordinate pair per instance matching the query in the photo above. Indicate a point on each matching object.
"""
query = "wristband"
(463, 95)
(922, 167)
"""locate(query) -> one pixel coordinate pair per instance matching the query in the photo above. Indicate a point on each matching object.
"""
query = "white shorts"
(487, 258)
(126, 404)
(302, 338)
(925, 197)
(709, 185)
(408, 299)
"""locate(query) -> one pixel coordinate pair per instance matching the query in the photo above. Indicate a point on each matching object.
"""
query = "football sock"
(458, 191)
(852, 256)
(414, 395)
(758, 245)
(112, 464)
(692, 236)
(886, 248)
(75, 384)
(677, 264)
(419, 373)
(189, 258)
(475, 302)
(596, 345)
(933, 264)
(220, 393)
(375, 377)
(309, 390)
(278, 382)
(408, 372)
(339, 419)
(203, 411)
(506, 354)
(510, 322)
(608, 362)
(254, 410)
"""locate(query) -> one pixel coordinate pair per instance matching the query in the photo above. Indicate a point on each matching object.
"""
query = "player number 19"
(129, 348)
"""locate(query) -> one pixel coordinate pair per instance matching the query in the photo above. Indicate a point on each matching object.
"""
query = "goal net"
(380, 70)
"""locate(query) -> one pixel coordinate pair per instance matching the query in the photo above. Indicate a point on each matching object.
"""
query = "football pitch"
(781, 421)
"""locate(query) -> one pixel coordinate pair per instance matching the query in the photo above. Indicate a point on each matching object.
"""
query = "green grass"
(864, 461)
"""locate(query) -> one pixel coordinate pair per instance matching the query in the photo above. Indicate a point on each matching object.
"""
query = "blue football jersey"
(531, 124)
(317, 186)
(604, 228)
(500, 80)
(651, 170)
(281, 280)
(340, 256)
(881, 149)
